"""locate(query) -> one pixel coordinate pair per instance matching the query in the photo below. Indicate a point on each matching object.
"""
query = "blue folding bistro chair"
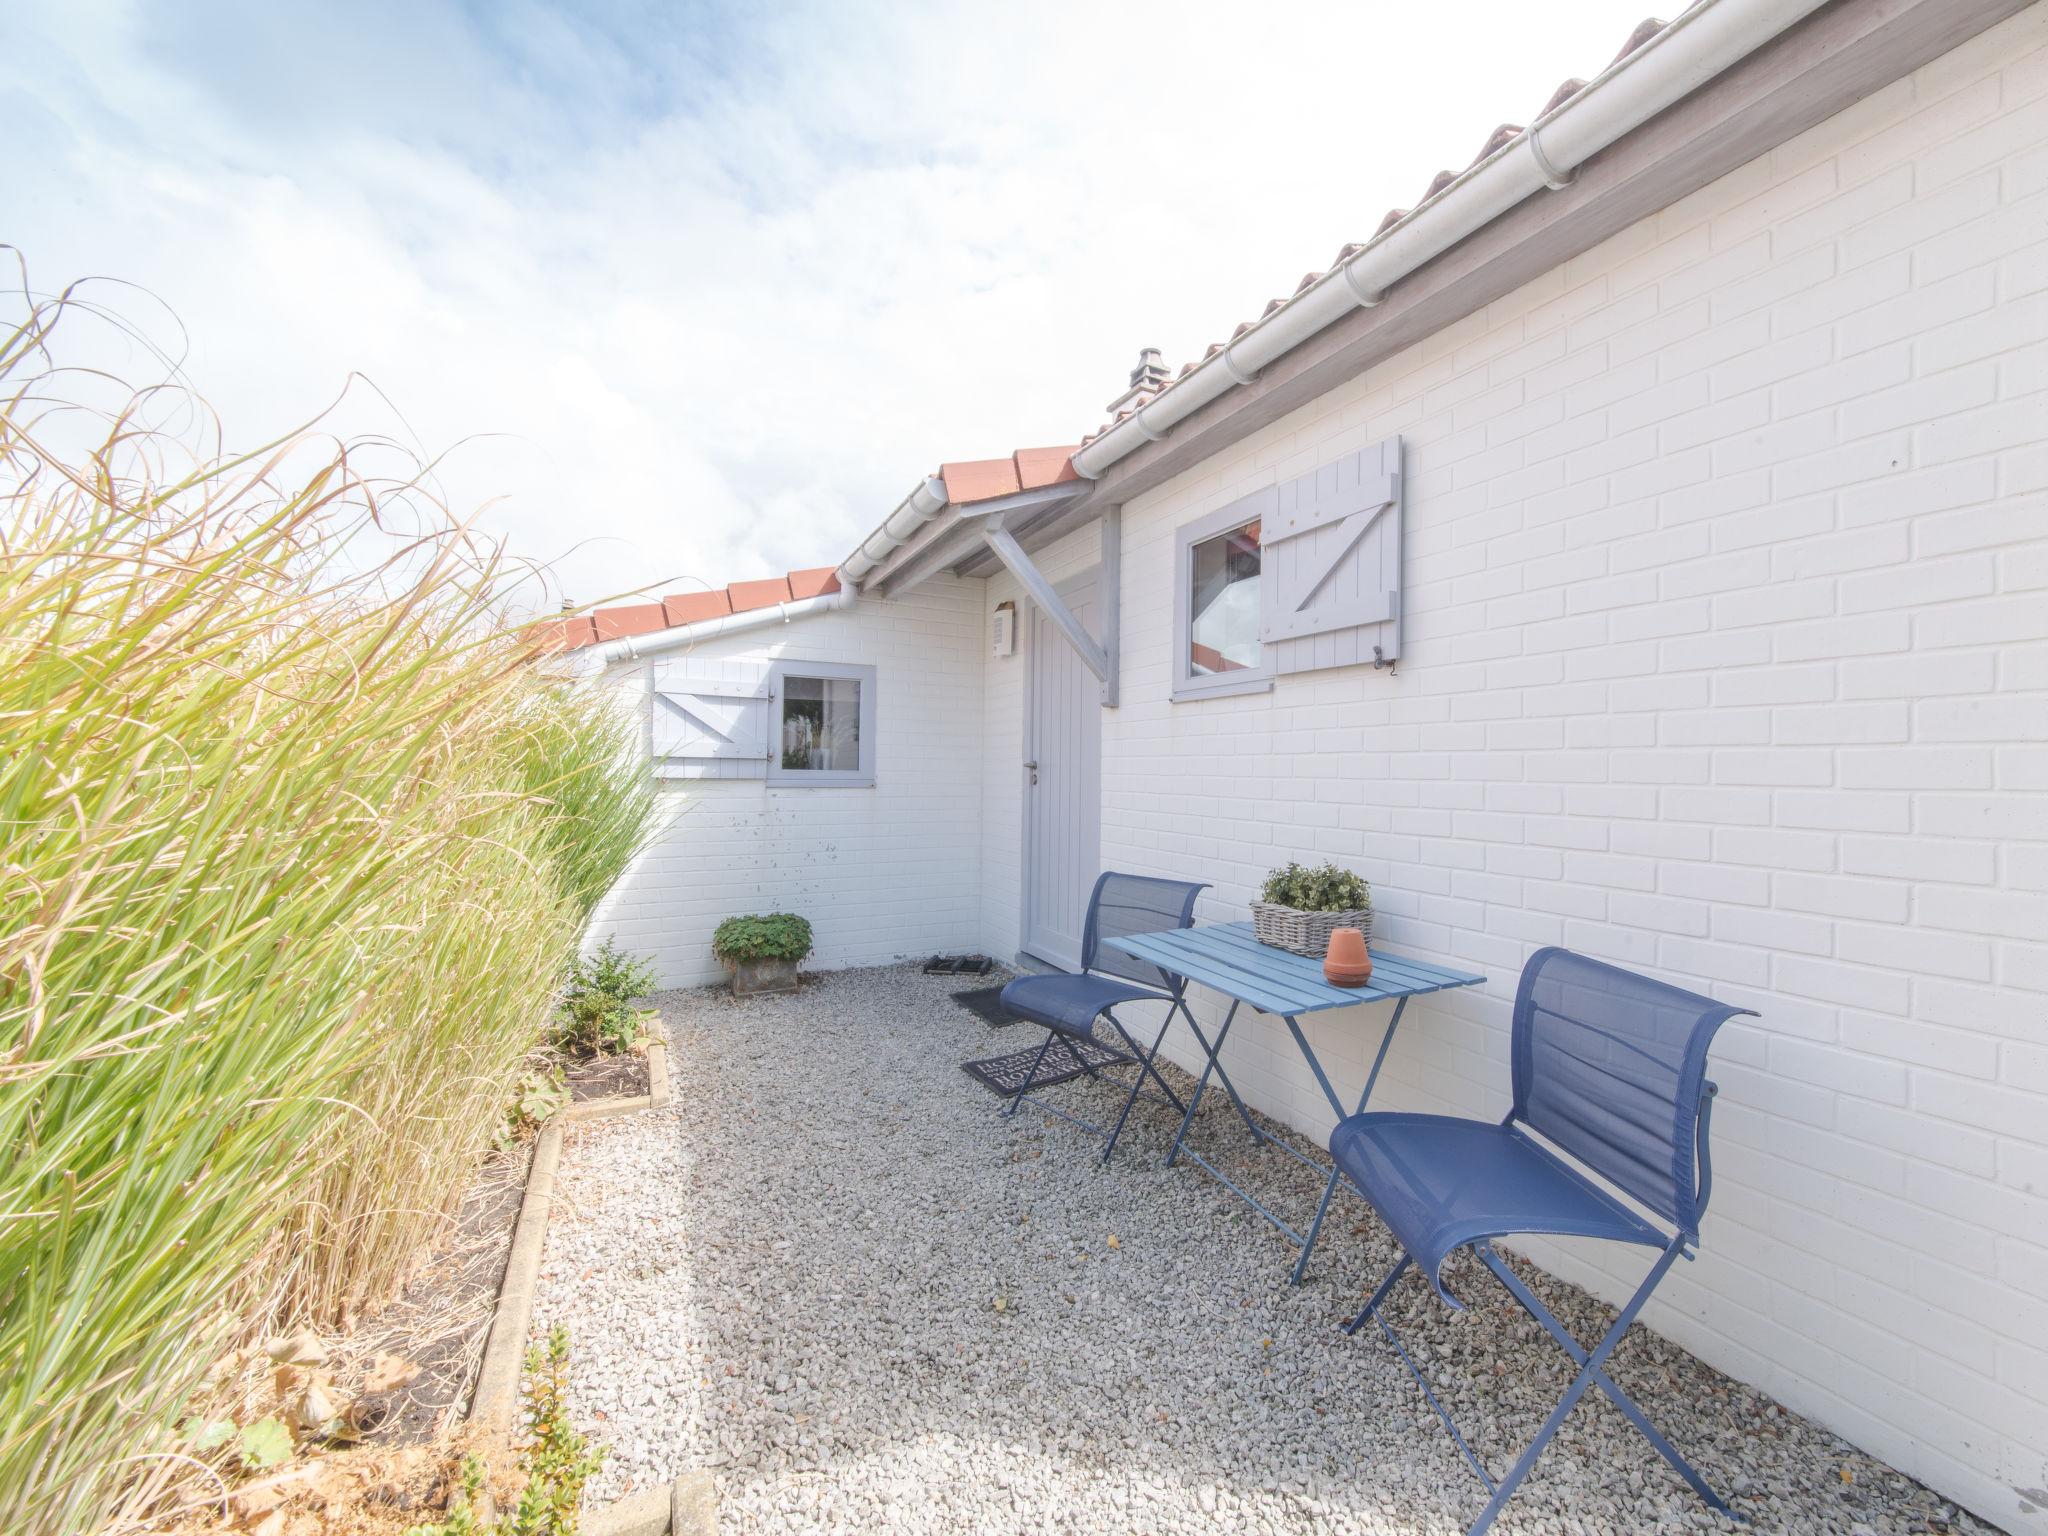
(1609, 1069)
(1069, 1006)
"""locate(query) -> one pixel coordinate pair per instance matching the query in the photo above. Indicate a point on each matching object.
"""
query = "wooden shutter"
(1331, 563)
(709, 719)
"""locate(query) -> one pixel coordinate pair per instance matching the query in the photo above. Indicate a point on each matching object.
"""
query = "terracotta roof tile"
(749, 595)
(628, 619)
(695, 607)
(1561, 95)
(819, 581)
(563, 634)
(680, 608)
(1646, 29)
(1044, 466)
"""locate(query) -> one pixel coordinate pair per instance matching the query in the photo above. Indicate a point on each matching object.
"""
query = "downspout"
(637, 647)
(1692, 50)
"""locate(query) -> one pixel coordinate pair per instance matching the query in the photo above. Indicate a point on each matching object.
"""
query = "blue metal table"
(1224, 957)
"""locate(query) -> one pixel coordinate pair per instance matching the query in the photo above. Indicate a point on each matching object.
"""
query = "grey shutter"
(1331, 563)
(709, 719)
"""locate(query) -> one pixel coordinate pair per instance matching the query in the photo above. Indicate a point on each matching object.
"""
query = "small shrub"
(556, 1460)
(1324, 889)
(597, 1016)
(759, 936)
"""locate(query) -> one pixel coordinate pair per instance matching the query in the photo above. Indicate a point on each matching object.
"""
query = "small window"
(1217, 603)
(824, 724)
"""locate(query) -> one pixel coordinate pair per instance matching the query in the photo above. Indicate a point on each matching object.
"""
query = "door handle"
(1033, 766)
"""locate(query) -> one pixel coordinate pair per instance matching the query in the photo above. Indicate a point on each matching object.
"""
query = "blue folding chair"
(1610, 1070)
(1069, 1006)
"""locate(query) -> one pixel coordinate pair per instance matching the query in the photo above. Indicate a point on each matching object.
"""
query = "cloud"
(702, 290)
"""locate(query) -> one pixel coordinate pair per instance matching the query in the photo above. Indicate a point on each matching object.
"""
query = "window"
(1217, 603)
(824, 724)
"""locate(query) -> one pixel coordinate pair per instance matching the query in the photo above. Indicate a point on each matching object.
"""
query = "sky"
(681, 294)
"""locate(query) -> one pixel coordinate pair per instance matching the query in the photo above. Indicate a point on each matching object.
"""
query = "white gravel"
(832, 1273)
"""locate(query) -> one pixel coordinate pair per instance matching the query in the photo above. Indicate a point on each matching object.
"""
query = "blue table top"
(1225, 957)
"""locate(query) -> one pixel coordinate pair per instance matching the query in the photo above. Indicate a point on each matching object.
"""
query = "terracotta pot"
(1348, 964)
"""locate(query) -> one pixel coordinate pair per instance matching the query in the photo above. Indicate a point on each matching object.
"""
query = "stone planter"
(751, 976)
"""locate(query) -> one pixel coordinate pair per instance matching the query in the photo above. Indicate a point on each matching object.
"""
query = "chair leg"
(1315, 1227)
(1145, 1067)
(1533, 1305)
(1372, 1310)
(1379, 1295)
(1589, 1369)
(1031, 1076)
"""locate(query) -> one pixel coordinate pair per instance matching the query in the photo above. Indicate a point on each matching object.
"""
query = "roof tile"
(749, 595)
(628, 619)
(695, 607)
(1044, 466)
(819, 581)
(564, 634)
(979, 480)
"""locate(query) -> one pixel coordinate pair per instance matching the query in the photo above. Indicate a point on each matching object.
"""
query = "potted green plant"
(762, 950)
(1299, 908)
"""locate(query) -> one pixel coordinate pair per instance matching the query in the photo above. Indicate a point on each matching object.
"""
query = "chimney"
(1148, 378)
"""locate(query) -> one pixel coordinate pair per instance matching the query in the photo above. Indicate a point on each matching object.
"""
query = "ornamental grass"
(298, 843)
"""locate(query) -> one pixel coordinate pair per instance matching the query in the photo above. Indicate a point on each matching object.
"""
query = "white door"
(1062, 783)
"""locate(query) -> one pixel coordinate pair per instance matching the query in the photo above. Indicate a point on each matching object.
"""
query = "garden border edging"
(656, 1097)
(688, 1506)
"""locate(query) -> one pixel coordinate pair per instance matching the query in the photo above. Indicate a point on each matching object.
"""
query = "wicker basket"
(1305, 933)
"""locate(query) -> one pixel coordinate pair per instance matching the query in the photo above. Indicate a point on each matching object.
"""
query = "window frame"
(1187, 685)
(862, 777)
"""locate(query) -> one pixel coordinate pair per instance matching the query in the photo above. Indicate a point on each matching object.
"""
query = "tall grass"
(297, 842)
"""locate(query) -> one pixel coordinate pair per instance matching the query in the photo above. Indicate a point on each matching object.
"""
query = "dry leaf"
(390, 1372)
(1113, 1242)
(301, 1348)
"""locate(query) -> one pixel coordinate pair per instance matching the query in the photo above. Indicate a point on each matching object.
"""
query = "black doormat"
(959, 965)
(985, 1003)
(1004, 1075)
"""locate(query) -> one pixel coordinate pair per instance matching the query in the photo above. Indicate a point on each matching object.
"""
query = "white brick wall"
(1726, 658)
(883, 872)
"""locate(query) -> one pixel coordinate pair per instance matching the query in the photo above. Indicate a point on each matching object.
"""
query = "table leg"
(1195, 1102)
(1330, 1186)
(1380, 1060)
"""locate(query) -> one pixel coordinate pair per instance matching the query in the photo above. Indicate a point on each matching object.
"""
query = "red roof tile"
(972, 480)
(563, 634)
(628, 619)
(749, 595)
(680, 608)
(980, 480)
(1044, 466)
(695, 607)
(818, 582)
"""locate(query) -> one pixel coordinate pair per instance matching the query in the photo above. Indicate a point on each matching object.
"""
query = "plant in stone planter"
(1299, 907)
(762, 950)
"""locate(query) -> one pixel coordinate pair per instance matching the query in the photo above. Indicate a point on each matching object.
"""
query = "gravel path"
(833, 1274)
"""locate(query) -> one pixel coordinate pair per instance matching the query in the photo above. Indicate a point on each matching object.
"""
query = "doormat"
(1004, 1075)
(985, 1003)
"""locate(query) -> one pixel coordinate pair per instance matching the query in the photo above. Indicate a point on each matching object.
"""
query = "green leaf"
(206, 1434)
(265, 1443)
